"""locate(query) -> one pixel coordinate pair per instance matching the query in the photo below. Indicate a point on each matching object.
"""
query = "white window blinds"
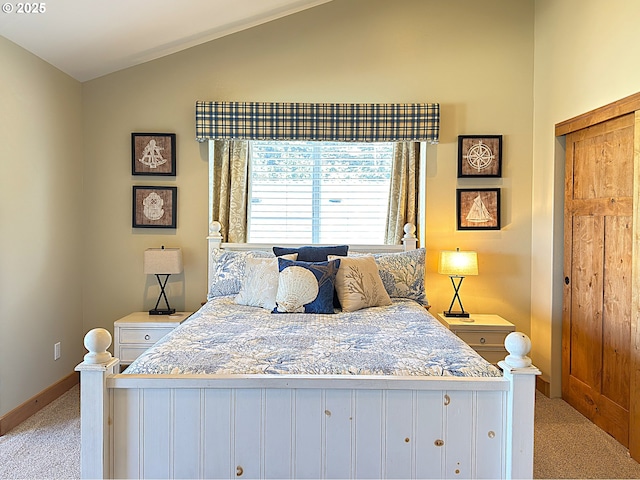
(318, 192)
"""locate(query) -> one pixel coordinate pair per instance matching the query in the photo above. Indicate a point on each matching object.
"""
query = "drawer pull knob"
(147, 337)
(483, 340)
(239, 471)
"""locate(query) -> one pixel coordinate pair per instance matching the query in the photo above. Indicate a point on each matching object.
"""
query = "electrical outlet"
(56, 351)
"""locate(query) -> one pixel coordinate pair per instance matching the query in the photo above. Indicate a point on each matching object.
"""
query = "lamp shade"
(458, 263)
(162, 260)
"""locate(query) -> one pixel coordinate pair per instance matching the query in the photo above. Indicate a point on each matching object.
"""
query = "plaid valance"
(344, 122)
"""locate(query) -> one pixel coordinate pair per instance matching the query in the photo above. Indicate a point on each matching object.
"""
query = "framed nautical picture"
(155, 207)
(479, 156)
(153, 154)
(478, 209)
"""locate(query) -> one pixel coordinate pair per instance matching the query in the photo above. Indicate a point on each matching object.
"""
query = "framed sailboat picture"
(478, 209)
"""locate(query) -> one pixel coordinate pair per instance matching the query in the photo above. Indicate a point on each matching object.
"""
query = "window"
(318, 192)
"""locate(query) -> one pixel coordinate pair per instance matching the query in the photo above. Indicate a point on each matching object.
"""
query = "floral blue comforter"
(226, 338)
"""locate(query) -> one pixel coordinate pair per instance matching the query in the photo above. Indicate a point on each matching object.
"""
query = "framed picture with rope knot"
(479, 156)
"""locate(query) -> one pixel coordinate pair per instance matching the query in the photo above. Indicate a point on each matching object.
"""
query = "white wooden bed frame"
(305, 426)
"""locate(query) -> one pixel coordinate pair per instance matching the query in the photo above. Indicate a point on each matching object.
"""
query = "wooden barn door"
(597, 309)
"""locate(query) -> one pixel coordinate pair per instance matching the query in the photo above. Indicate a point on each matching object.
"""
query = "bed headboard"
(409, 242)
(214, 239)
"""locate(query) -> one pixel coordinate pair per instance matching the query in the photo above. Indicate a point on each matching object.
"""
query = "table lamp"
(457, 265)
(162, 261)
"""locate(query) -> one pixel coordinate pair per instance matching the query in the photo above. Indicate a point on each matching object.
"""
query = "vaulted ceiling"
(90, 38)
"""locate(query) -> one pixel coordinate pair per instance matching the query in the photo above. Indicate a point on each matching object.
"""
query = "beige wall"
(40, 213)
(343, 51)
(586, 57)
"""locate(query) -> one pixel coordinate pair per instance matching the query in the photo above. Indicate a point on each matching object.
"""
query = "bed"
(264, 384)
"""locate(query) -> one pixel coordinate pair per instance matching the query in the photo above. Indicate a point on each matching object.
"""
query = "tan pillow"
(358, 283)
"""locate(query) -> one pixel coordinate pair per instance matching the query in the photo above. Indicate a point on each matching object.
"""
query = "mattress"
(401, 339)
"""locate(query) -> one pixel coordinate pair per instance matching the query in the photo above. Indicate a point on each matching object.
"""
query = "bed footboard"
(214, 426)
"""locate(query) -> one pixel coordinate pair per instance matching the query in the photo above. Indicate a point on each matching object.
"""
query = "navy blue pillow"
(306, 287)
(313, 254)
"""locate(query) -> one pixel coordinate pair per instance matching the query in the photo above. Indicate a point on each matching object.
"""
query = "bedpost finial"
(518, 345)
(214, 229)
(409, 230)
(97, 341)
(409, 240)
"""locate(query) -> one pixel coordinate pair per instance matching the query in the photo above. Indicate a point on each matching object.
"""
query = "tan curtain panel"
(230, 188)
(403, 191)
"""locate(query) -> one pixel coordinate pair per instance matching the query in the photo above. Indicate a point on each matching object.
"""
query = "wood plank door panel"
(586, 300)
(599, 183)
(617, 292)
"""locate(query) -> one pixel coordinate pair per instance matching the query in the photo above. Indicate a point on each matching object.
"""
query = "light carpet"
(47, 444)
(567, 445)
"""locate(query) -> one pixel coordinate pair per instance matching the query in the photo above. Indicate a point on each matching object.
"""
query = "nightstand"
(136, 332)
(485, 334)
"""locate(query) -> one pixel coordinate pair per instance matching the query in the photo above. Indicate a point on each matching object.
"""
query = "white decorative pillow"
(226, 270)
(358, 283)
(260, 284)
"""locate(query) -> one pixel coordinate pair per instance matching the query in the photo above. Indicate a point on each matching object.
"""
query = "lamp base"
(155, 311)
(449, 313)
